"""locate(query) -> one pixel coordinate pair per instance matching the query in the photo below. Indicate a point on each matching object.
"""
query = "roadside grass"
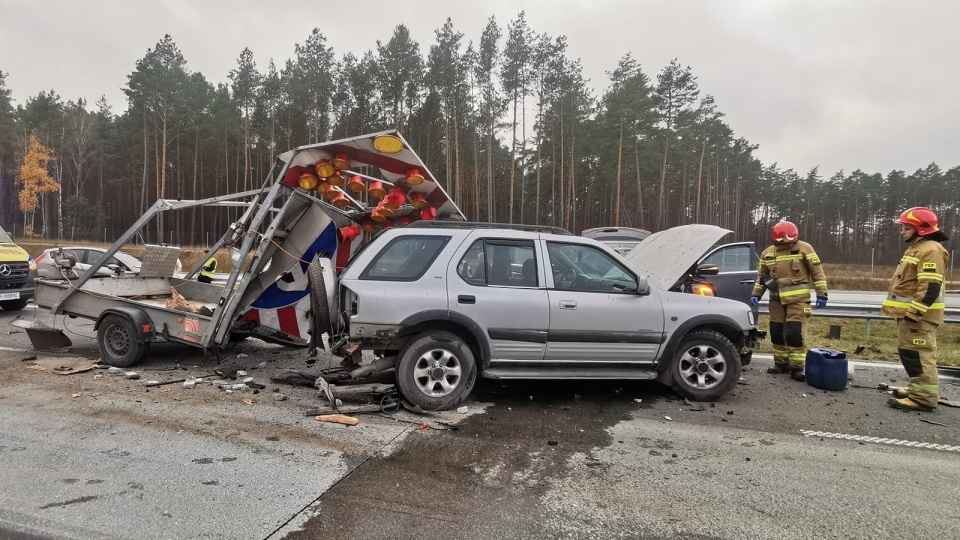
(882, 345)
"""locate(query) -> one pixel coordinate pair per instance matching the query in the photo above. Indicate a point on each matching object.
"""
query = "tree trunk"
(663, 182)
(616, 211)
(513, 154)
(703, 151)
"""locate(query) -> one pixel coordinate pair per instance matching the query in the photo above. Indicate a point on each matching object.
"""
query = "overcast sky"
(869, 84)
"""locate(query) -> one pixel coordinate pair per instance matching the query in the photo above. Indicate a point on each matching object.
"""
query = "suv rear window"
(405, 258)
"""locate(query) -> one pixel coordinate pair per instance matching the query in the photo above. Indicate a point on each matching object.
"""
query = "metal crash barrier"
(869, 312)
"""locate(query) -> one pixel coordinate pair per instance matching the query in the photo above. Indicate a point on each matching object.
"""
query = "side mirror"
(708, 270)
(643, 286)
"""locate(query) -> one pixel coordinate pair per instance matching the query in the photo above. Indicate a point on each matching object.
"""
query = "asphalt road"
(92, 455)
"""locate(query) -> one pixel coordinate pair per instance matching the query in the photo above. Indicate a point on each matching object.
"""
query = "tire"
(319, 303)
(705, 366)
(14, 305)
(116, 337)
(436, 371)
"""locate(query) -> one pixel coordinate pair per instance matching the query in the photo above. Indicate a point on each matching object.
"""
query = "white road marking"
(879, 440)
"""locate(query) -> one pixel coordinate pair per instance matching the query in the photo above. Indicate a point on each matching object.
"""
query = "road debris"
(61, 366)
(933, 422)
(248, 400)
(338, 419)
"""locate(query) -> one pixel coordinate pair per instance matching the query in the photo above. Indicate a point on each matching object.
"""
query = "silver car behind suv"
(443, 302)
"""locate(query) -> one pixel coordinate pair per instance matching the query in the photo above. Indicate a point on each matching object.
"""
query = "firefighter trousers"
(917, 345)
(787, 324)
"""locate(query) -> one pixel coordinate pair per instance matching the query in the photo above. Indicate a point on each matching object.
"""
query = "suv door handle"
(568, 304)
(747, 281)
(466, 299)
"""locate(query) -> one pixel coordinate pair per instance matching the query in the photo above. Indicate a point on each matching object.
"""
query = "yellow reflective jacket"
(916, 290)
(209, 268)
(795, 270)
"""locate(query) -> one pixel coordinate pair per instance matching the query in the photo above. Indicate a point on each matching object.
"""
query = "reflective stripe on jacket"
(796, 269)
(917, 284)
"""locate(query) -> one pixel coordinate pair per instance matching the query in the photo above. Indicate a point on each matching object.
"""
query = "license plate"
(9, 296)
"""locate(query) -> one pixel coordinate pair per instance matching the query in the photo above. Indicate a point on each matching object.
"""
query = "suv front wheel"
(436, 371)
(705, 366)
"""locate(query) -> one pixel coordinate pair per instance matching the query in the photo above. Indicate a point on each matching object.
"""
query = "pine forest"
(507, 121)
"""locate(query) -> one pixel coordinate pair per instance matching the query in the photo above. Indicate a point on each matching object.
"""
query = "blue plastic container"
(826, 369)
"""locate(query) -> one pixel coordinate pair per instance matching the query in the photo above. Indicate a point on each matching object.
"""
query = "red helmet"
(785, 232)
(922, 218)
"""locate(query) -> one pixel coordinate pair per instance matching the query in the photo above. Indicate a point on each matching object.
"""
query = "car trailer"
(316, 208)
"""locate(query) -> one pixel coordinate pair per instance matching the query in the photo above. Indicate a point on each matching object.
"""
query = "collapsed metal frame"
(250, 226)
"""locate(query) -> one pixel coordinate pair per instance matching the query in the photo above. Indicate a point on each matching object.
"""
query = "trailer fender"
(141, 321)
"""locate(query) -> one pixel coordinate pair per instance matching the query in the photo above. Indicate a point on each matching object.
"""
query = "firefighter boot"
(797, 374)
(908, 404)
(779, 368)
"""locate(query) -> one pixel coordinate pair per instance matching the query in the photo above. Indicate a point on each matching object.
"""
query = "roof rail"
(434, 224)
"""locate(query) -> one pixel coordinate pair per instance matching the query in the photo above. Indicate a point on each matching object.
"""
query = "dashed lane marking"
(13, 349)
(879, 440)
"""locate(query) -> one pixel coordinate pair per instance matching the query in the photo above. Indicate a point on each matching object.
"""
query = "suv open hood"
(665, 256)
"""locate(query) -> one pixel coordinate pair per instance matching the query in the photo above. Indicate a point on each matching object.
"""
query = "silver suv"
(443, 302)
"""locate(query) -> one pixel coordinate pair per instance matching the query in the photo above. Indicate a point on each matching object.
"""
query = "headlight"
(751, 318)
(704, 289)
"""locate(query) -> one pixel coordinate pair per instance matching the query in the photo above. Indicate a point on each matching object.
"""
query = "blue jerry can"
(826, 369)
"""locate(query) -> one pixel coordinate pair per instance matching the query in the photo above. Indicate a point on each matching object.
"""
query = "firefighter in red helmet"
(915, 300)
(790, 269)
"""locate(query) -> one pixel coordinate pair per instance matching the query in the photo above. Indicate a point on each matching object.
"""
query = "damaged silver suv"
(444, 302)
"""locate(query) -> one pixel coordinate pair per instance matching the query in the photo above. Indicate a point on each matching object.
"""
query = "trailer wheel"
(319, 303)
(117, 339)
(14, 305)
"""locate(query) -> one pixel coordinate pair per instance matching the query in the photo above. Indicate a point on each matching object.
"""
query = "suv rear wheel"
(436, 371)
(705, 366)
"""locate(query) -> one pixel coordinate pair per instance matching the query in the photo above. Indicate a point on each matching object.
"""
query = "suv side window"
(508, 263)
(405, 258)
(733, 259)
(584, 268)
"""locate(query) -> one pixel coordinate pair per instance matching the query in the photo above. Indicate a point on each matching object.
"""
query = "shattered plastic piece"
(247, 379)
(462, 410)
(114, 370)
(189, 384)
(241, 373)
(76, 395)
(132, 375)
(668, 418)
(152, 383)
(241, 355)
(637, 400)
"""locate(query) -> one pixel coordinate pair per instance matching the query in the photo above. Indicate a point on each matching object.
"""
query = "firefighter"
(207, 271)
(790, 269)
(915, 300)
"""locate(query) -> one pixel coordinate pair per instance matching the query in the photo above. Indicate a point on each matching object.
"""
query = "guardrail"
(870, 312)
